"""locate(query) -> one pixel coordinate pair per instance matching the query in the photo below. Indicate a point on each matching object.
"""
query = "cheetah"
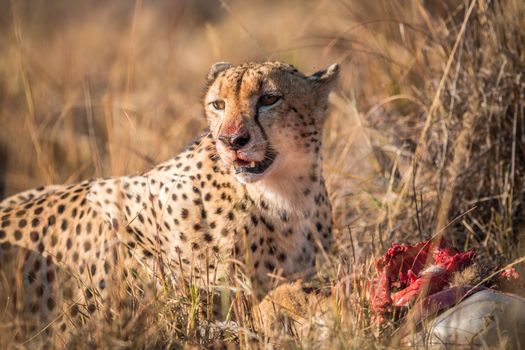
(250, 189)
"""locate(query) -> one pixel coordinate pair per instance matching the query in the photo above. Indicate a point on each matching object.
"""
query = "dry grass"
(427, 133)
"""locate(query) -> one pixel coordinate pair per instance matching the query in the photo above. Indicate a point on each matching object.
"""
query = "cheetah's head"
(267, 117)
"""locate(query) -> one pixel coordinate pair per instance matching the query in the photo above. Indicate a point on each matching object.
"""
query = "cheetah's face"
(266, 118)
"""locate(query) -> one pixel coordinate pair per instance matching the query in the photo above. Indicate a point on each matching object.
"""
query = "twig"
(414, 170)
(351, 243)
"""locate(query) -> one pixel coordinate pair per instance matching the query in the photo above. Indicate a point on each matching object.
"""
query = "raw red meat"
(415, 271)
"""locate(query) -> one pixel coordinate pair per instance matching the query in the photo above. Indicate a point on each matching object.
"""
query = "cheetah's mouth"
(243, 166)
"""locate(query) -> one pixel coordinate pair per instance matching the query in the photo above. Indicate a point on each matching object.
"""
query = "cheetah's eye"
(218, 105)
(268, 100)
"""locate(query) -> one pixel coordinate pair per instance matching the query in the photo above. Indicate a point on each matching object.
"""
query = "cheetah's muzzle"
(257, 167)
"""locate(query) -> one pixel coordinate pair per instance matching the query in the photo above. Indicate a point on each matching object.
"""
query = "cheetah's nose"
(236, 141)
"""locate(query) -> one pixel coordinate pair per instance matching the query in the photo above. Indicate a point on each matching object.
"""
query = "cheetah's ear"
(326, 76)
(216, 68)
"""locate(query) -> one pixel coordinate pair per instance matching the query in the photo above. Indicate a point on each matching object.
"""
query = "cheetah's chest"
(199, 226)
